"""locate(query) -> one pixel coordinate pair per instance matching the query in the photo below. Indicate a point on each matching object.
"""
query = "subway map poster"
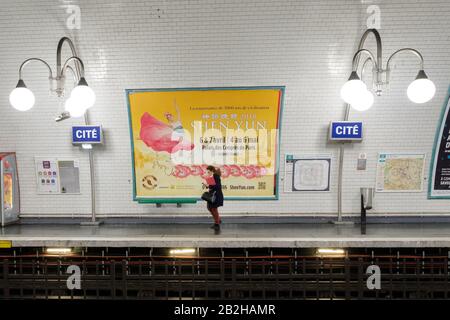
(176, 133)
(400, 172)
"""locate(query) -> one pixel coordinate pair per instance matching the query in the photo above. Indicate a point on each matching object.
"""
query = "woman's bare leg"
(215, 213)
(211, 212)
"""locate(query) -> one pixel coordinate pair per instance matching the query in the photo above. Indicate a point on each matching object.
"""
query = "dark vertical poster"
(439, 184)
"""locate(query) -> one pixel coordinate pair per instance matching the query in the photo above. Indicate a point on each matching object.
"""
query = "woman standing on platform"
(214, 184)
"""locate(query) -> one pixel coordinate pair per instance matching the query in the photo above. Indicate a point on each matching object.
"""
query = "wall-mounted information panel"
(57, 176)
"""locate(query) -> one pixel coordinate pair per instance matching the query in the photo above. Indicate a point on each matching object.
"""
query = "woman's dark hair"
(214, 170)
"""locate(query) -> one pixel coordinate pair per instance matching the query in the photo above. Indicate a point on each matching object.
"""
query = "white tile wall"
(305, 45)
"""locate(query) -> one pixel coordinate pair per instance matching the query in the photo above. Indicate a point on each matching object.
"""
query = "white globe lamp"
(422, 89)
(365, 101)
(21, 98)
(352, 89)
(83, 95)
(74, 108)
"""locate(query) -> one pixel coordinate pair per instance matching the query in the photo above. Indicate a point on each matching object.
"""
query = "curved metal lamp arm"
(410, 50)
(80, 63)
(364, 67)
(26, 62)
(75, 79)
(356, 57)
(74, 53)
(377, 36)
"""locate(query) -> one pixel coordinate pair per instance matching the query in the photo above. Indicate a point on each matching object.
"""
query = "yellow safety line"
(5, 244)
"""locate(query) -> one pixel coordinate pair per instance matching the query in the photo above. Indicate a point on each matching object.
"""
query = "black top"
(219, 195)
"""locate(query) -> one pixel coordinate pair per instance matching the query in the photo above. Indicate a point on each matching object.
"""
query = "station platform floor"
(242, 235)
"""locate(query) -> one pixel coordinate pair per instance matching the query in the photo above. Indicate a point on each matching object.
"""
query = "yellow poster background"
(8, 193)
(157, 176)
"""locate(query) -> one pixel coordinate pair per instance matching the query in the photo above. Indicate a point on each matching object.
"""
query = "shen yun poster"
(177, 133)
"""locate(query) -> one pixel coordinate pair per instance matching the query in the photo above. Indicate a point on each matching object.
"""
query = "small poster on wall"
(307, 173)
(47, 175)
(400, 172)
(439, 182)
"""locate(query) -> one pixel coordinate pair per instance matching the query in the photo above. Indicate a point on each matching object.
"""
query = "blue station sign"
(87, 135)
(346, 131)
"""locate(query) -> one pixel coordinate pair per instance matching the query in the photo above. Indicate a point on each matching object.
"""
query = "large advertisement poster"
(177, 133)
(439, 182)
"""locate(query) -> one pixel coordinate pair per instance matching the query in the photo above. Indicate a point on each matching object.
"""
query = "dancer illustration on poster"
(160, 136)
